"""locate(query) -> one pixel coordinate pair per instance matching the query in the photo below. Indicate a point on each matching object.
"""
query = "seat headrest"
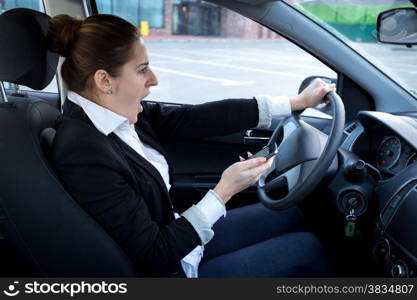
(24, 57)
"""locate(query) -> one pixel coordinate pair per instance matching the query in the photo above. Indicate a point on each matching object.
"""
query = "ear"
(103, 81)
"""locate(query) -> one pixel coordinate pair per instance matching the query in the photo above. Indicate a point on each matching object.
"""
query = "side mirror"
(398, 26)
(306, 82)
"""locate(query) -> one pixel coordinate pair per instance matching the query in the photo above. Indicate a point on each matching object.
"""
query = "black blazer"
(123, 192)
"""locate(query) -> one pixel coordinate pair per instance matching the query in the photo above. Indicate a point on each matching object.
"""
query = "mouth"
(140, 107)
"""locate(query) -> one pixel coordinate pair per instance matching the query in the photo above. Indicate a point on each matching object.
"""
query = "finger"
(271, 159)
(318, 81)
(241, 158)
(259, 175)
(328, 87)
(262, 172)
(249, 154)
(251, 163)
(258, 170)
(270, 162)
(331, 90)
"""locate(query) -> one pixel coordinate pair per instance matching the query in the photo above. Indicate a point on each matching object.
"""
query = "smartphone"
(263, 153)
(270, 155)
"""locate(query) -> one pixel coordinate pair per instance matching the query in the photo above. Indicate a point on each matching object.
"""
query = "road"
(200, 71)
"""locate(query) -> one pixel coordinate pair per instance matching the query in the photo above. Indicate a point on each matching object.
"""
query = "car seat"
(38, 218)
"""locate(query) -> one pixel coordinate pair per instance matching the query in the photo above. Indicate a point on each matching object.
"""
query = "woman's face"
(133, 84)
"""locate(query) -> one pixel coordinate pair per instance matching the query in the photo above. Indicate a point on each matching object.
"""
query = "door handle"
(251, 138)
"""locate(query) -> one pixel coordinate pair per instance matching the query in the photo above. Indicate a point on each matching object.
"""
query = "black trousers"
(254, 241)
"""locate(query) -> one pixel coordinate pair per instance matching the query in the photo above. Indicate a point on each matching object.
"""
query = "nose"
(152, 81)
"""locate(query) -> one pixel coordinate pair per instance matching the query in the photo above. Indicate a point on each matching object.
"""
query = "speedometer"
(388, 152)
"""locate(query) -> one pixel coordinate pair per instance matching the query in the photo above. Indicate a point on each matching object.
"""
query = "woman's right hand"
(241, 175)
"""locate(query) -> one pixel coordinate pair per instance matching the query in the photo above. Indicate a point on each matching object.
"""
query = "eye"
(143, 70)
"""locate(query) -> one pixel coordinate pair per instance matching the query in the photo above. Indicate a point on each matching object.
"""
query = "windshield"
(354, 21)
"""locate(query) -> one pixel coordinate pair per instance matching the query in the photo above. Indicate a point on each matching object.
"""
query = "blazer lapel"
(138, 159)
(146, 134)
(73, 110)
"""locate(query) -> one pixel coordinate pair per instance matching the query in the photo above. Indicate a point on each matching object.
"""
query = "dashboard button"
(399, 269)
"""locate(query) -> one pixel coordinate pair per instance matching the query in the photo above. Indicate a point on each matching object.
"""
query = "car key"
(351, 223)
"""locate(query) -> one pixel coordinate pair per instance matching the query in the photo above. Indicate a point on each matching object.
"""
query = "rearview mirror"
(398, 26)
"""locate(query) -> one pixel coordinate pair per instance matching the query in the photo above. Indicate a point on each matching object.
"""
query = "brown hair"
(99, 42)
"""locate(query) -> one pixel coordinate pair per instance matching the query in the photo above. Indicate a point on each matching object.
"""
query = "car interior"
(357, 186)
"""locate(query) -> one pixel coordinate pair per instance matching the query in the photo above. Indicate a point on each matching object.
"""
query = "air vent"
(350, 128)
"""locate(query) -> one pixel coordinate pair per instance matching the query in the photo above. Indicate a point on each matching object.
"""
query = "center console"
(396, 237)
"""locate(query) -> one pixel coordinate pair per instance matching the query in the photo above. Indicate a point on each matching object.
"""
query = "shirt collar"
(103, 119)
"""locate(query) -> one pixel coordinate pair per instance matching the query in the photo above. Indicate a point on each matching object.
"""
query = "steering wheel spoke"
(289, 179)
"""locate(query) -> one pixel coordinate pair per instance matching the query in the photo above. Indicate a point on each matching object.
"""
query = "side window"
(150, 11)
(202, 52)
(35, 5)
(9, 4)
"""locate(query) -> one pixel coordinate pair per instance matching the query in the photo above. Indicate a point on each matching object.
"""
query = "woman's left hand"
(312, 95)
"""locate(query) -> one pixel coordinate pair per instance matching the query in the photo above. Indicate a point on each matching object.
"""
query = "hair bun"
(61, 33)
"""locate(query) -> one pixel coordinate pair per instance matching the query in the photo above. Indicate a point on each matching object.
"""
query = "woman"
(108, 153)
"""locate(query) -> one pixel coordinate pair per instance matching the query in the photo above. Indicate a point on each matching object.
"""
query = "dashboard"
(388, 145)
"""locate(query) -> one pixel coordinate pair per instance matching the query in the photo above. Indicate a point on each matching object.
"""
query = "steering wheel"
(302, 158)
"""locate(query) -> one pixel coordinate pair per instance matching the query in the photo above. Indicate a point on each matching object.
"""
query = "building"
(185, 17)
(172, 17)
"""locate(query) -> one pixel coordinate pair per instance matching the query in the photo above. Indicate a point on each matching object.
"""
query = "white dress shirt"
(208, 210)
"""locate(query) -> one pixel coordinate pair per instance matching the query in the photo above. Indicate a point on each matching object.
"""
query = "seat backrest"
(37, 216)
(47, 140)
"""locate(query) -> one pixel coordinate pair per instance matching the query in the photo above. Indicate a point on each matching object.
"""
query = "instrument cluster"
(393, 154)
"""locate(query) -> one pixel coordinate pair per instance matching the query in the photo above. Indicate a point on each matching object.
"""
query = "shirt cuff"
(203, 215)
(191, 261)
(272, 106)
(212, 207)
